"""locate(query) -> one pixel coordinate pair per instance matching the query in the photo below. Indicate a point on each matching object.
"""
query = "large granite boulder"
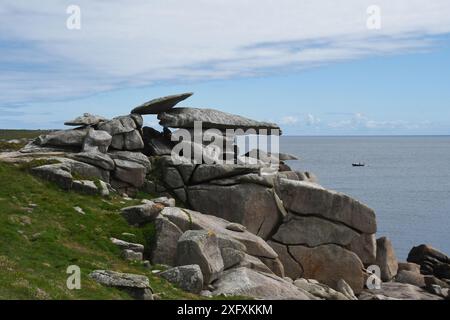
(386, 259)
(118, 125)
(188, 278)
(164, 245)
(312, 231)
(201, 247)
(326, 263)
(65, 138)
(96, 158)
(307, 198)
(156, 143)
(96, 141)
(431, 261)
(210, 118)
(135, 156)
(130, 172)
(56, 173)
(365, 246)
(192, 220)
(159, 105)
(251, 205)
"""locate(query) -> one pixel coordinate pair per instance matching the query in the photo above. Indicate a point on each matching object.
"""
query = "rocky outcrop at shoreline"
(244, 223)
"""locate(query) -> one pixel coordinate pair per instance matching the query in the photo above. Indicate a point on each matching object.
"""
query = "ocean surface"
(406, 181)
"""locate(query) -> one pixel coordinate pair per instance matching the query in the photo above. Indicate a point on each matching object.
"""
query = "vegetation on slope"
(41, 234)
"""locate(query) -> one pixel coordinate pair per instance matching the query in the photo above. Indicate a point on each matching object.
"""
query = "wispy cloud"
(123, 44)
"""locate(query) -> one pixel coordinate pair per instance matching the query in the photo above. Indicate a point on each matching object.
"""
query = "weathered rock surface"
(130, 172)
(201, 247)
(192, 220)
(365, 246)
(136, 285)
(132, 141)
(311, 199)
(86, 119)
(65, 138)
(97, 141)
(131, 255)
(205, 172)
(319, 290)
(247, 282)
(137, 157)
(56, 173)
(156, 143)
(188, 278)
(431, 261)
(118, 125)
(251, 205)
(408, 266)
(210, 118)
(159, 105)
(397, 291)
(410, 277)
(326, 263)
(312, 231)
(141, 214)
(386, 259)
(164, 250)
(85, 186)
(96, 158)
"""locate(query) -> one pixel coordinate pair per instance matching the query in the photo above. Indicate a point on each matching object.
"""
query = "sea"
(406, 181)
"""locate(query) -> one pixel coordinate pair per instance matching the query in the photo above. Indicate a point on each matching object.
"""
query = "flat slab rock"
(159, 105)
(137, 286)
(210, 118)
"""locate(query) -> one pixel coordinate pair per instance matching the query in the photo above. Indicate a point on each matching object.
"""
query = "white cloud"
(312, 120)
(289, 120)
(125, 43)
(360, 121)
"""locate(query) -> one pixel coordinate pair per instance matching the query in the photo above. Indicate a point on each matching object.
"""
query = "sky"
(321, 67)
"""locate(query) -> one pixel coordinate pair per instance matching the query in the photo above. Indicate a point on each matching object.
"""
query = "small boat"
(359, 164)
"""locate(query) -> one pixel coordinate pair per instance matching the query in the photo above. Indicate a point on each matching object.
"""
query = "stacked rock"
(314, 232)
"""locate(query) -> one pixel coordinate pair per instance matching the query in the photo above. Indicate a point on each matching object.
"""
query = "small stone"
(131, 255)
(79, 210)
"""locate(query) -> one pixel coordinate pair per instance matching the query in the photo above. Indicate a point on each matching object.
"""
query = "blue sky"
(312, 67)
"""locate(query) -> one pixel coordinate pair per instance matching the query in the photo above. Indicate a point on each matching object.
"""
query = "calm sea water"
(406, 181)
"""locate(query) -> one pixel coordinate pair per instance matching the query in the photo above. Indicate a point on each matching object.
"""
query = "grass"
(41, 235)
(20, 134)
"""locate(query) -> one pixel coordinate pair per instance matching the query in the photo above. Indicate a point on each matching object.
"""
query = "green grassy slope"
(41, 235)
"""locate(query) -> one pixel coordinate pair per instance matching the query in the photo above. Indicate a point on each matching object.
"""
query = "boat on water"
(359, 164)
